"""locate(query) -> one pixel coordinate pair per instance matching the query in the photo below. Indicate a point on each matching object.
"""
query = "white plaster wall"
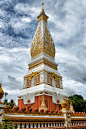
(45, 77)
(30, 93)
(41, 77)
(40, 56)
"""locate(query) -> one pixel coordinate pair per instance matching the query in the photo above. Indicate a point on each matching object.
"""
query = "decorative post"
(66, 114)
(71, 107)
(2, 106)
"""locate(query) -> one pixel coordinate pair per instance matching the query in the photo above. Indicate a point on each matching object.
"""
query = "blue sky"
(67, 25)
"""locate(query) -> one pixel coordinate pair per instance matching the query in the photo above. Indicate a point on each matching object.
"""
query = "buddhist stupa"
(42, 82)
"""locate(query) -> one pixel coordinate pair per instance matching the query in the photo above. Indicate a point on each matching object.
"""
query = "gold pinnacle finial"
(42, 8)
(1, 91)
(42, 3)
(64, 104)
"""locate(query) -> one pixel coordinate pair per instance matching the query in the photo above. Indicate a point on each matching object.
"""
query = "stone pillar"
(66, 114)
(31, 126)
(48, 125)
(67, 118)
(59, 123)
(38, 125)
(42, 124)
(26, 125)
(34, 125)
(51, 124)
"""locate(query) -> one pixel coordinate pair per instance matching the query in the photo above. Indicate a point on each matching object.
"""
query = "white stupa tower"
(42, 87)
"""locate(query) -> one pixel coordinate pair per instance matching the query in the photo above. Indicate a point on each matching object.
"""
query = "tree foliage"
(79, 104)
(8, 124)
(11, 102)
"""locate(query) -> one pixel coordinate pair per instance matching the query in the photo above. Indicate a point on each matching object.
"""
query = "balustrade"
(45, 125)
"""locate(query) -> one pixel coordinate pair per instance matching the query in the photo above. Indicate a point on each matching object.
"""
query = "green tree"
(6, 101)
(85, 105)
(11, 102)
(79, 104)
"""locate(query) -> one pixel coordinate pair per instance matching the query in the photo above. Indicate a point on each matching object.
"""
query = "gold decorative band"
(33, 74)
(43, 61)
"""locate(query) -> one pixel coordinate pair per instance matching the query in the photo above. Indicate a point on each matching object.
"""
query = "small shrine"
(42, 88)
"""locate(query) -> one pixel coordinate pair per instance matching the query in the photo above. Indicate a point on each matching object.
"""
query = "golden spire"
(42, 14)
(42, 41)
(42, 11)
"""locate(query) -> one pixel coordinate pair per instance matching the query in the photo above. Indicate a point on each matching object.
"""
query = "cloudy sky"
(67, 24)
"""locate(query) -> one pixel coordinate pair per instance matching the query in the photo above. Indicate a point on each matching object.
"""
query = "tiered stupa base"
(49, 104)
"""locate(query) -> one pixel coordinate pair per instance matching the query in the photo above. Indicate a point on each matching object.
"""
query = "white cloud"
(26, 19)
(27, 9)
(63, 56)
(69, 91)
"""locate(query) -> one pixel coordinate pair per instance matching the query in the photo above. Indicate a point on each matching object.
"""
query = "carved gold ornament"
(42, 43)
(34, 74)
(54, 75)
